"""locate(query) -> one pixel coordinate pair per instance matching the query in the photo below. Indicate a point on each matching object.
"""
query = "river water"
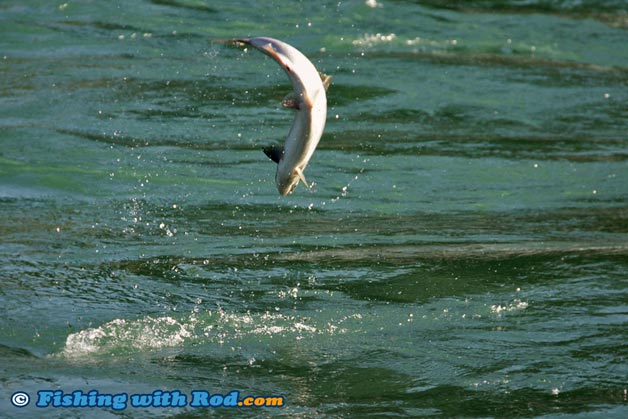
(463, 251)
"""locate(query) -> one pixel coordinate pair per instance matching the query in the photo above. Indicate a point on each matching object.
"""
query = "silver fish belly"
(310, 103)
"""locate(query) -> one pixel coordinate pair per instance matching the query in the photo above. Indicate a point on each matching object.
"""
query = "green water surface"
(462, 253)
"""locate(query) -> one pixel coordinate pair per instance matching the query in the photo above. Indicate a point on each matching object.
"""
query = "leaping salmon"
(310, 102)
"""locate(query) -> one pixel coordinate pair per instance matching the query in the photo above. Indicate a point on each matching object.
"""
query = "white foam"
(147, 333)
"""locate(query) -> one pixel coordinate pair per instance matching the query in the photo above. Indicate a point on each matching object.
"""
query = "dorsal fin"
(326, 80)
(274, 152)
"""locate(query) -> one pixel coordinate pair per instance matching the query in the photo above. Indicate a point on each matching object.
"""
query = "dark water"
(463, 252)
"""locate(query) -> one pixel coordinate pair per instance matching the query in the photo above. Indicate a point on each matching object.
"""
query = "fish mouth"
(288, 187)
(288, 190)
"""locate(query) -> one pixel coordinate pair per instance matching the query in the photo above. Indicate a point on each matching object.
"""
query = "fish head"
(286, 181)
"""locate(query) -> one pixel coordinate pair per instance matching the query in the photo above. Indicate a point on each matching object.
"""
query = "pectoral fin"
(326, 80)
(274, 152)
(292, 101)
(299, 173)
